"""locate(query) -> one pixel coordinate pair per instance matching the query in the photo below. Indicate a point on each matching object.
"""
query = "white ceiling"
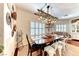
(60, 10)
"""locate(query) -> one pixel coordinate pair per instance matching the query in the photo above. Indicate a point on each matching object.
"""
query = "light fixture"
(45, 16)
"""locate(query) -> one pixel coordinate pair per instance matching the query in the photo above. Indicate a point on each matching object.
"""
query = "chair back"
(28, 41)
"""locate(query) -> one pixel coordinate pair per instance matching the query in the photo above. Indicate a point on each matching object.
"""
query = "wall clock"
(8, 18)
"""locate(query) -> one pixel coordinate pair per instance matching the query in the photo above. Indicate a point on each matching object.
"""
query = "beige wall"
(1, 23)
(74, 35)
(66, 21)
(8, 41)
(24, 18)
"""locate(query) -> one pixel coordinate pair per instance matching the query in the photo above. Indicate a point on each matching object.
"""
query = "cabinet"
(75, 30)
(75, 27)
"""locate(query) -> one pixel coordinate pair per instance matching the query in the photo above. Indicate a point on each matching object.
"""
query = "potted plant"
(1, 48)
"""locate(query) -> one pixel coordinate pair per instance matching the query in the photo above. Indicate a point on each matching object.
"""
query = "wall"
(63, 22)
(24, 17)
(1, 23)
(75, 35)
(9, 41)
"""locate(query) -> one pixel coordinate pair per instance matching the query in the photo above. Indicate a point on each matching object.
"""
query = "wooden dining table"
(48, 39)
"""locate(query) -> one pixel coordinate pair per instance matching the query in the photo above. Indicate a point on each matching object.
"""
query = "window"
(61, 28)
(37, 31)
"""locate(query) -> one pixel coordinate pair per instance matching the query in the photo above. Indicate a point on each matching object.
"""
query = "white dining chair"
(60, 47)
(50, 50)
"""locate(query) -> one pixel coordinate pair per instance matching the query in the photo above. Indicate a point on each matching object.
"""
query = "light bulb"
(41, 17)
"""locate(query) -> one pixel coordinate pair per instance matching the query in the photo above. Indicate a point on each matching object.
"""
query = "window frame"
(39, 30)
(61, 27)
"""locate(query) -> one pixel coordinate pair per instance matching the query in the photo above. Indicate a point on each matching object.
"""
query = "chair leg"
(43, 53)
(16, 52)
(31, 54)
(60, 52)
(28, 53)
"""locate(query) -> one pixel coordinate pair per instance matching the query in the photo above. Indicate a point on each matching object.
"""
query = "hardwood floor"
(72, 48)
(22, 51)
(74, 42)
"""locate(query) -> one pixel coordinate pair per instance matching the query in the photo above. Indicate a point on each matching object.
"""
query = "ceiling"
(60, 10)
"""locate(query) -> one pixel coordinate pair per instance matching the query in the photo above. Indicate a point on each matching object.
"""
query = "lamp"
(45, 16)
